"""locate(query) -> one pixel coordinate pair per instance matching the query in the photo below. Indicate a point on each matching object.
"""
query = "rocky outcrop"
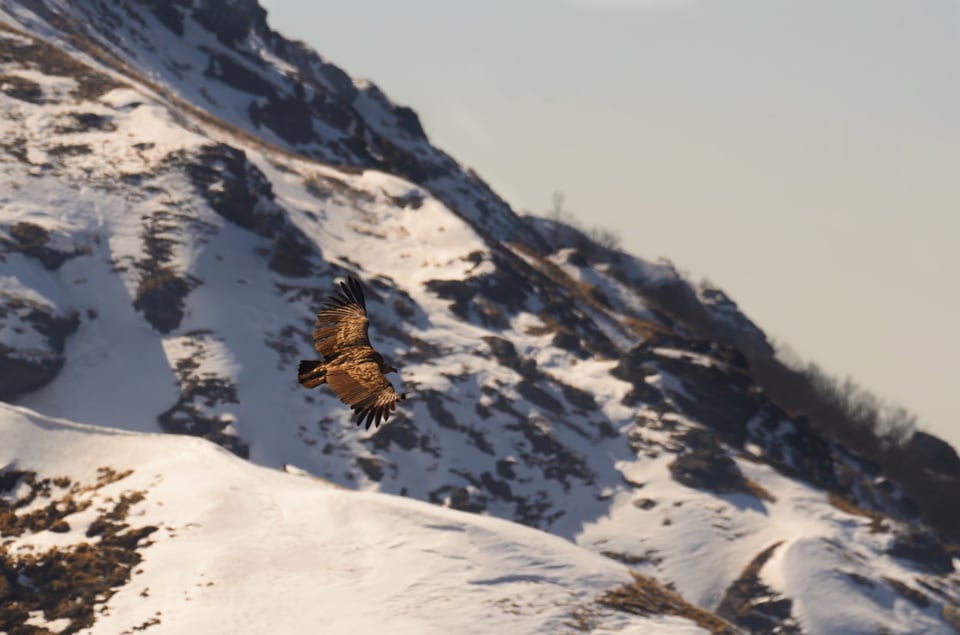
(33, 241)
(704, 465)
(239, 192)
(754, 606)
(923, 548)
(32, 338)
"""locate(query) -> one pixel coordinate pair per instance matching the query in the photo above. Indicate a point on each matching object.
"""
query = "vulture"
(350, 366)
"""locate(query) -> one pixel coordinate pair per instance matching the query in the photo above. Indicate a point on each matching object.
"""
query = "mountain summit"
(589, 443)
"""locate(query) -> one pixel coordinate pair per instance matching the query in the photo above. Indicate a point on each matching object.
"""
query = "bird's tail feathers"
(311, 373)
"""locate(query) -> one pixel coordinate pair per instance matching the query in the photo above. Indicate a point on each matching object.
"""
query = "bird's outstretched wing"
(342, 321)
(364, 388)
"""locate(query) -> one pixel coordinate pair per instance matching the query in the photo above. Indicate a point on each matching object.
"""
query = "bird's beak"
(391, 369)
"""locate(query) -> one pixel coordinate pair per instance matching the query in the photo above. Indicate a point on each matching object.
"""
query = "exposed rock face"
(754, 606)
(160, 297)
(732, 325)
(923, 548)
(22, 89)
(170, 13)
(231, 20)
(203, 406)
(34, 241)
(232, 187)
(31, 350)
(706, 466)
(239, 192)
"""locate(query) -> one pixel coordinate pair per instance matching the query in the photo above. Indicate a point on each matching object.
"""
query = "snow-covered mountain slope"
(180, 189)
(208, 543)
(220, 57)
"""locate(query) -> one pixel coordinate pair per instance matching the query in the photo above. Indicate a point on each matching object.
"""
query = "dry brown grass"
(646, 329)
(760, 491)
(548, 327)
(645, 596)
(918, 598)
(34, 53)
(951, 615)
(583, 293)
(64, 582)
(844, 504)
(648, 557)
(93, 83)
(582, 620)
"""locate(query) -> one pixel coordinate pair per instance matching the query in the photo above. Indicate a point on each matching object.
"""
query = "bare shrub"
(587, 239)
(879, 431)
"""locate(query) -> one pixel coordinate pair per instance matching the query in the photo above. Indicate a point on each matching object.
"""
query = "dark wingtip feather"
(373, 416)
(362, 415)
(346, 293)
(357, 292)
(350, 292)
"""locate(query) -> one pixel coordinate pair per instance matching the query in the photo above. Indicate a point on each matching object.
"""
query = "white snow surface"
(246, 549)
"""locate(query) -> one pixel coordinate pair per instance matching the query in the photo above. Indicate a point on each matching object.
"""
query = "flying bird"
(350, 366)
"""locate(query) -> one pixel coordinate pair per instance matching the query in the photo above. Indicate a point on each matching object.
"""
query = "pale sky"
(803, 155)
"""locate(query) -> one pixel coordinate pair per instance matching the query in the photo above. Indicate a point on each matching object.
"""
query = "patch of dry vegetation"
(48, 59)
(880, 432)
(646, 329)
(844, 504)
(904, 590)
(645, 596)
(583, 293)
(649, 557)
(63, 582)
(951, 615)
(760, 491)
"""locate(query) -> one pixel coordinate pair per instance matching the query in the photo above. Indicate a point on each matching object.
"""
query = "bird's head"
(384, 366)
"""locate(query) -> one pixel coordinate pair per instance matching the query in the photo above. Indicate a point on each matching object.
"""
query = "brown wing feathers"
(352, 369)
(342, 321)
(364, 388)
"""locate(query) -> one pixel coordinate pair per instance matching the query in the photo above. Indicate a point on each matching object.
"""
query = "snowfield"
(246, 549)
